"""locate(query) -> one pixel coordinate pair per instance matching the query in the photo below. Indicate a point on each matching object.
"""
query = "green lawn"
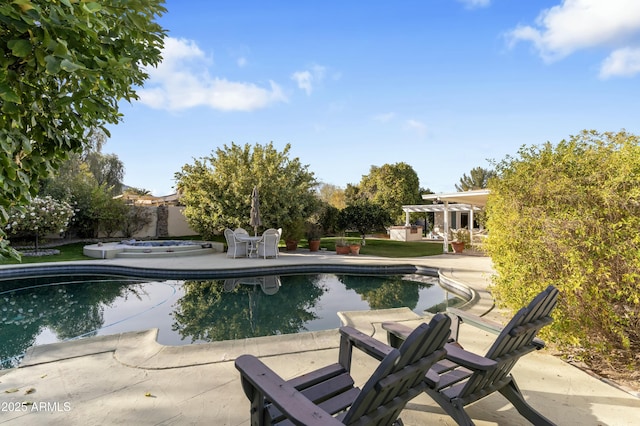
(374, 247)
(389, 248)
(67, 252)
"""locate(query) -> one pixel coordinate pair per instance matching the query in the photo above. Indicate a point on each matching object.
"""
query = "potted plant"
(461, 240)
(354, 247)
(292, 232)
(342, 246)
(314, 232)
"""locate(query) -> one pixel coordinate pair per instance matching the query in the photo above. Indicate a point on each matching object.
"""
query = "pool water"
(36, 311)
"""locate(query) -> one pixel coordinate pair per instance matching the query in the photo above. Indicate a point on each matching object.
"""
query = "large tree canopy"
(64, 65)
(569, 215)
(216, 190)
(364, 216)
(390, 186)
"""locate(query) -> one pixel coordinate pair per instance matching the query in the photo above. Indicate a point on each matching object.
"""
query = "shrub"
(41, 217)
(569, 215)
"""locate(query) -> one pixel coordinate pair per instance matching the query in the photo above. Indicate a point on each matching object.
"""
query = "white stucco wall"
(178, 226)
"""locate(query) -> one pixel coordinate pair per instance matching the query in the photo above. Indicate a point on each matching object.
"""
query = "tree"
(332, 194)
(136, 191)
(328, 218)
(64, 66)
(216, 190)
(108, 171)
(391, 186)
(136, 218)
(76, 182)
(478, 179)
(110, 213)
(41, 217)
(352, 194)
(569, 215)
(364, 216)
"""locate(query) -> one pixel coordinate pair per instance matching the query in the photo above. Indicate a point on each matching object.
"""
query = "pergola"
(467, 201)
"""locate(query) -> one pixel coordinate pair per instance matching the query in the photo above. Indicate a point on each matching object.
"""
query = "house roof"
(477, 197)
(456, 201)
(420, 208)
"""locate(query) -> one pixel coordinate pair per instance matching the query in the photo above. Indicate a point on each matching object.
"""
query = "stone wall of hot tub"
(123, 250)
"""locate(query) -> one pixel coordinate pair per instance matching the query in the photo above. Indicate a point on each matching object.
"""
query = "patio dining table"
(251, 243)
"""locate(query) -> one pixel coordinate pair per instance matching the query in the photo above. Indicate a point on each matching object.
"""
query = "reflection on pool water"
(36, 311)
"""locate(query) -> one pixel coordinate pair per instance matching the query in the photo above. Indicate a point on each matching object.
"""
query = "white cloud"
(580, 24)
(417, 126)
(623, 62)
(183, 81)
(475, 4)
(242, 62)
(384, 117)
(303, 78)
(307, 80)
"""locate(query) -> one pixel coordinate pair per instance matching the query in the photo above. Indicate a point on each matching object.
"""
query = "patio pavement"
(131, 379)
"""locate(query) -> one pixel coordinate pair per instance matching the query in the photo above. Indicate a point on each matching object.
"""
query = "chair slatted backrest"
(515, 340)
(400, 375)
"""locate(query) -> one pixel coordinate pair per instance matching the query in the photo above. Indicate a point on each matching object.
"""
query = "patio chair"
(236, 247)
(267, 246)
(240, 231)
(314, 398)
(464, 377)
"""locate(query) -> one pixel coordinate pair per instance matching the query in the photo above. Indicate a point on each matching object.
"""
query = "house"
(451, 211)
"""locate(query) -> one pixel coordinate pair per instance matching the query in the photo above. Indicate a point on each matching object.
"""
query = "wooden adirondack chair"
(314, 398)
(463, 377)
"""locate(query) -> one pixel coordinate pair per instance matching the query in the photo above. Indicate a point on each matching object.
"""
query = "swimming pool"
(40, 310)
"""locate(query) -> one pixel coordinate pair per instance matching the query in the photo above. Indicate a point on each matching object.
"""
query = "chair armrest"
(285, 397)
(492, 326)
(365, 343)
(396, 333)
(476, 321)
(398, 329)
(468, 359)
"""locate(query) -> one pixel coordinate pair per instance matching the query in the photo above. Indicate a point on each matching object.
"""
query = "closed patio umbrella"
(255, 211)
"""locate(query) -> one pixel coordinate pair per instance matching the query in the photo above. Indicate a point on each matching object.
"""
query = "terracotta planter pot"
(291, 245)
(343, 249)
(314, 245)
(457, 246)
(354, 249)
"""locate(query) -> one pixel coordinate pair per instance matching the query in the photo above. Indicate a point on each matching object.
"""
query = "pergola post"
(406, 220)
(471, 224)
(445, 246)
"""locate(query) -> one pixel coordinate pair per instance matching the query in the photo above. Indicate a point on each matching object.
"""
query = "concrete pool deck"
(131, 379)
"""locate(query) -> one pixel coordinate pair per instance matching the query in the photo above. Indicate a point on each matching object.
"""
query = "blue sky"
(442, 85)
